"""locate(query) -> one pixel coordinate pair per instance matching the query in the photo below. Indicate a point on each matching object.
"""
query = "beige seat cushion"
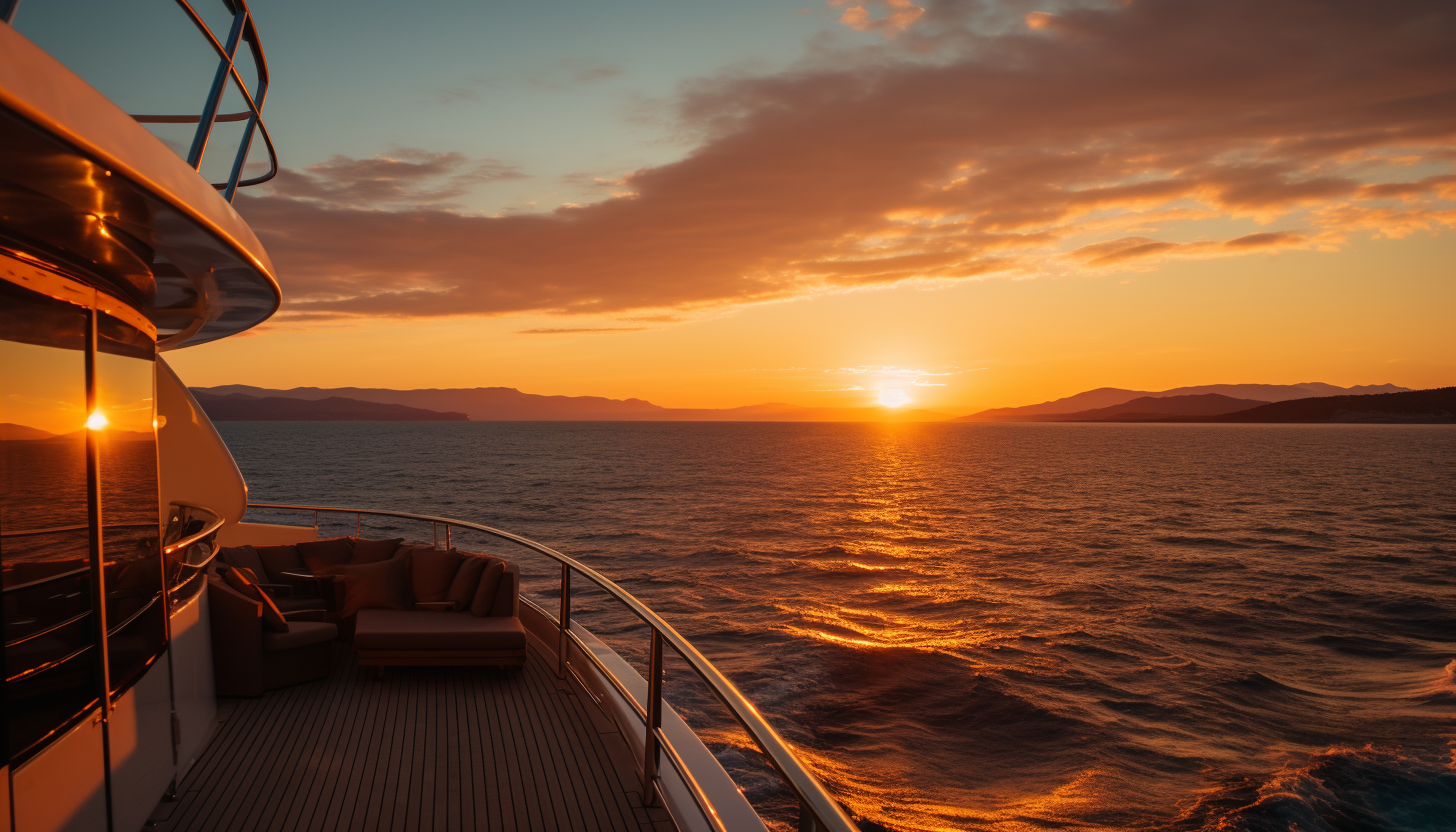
(488, 588)
(374, 551)
(467, 578)
(245, 557)
(277, 560)
(300, 634)
(431, 572)
(319, 555)
(382, 585)
(413, 630)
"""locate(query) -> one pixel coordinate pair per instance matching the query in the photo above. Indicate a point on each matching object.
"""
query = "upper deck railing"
(241, 34)
(818, 810)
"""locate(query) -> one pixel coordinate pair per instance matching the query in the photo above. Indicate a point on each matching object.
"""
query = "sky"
(979, 204)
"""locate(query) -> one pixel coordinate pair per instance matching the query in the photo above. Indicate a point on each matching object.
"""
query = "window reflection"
(125, 395)
(51, 670)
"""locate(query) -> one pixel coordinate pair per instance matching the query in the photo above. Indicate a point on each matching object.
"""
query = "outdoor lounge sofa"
(404, 604)
(252, 655)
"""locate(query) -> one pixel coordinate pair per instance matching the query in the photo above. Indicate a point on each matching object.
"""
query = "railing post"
(434, 535)
(358, 523)
(563, 621)
(315, 520)
(654, 720)
(448, 544)
(214, 96)
(807, 821)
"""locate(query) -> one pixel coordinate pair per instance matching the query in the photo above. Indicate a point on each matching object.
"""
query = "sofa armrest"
(277, 590)
(237, 640)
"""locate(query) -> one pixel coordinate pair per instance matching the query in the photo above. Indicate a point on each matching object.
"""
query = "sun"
(893, 398)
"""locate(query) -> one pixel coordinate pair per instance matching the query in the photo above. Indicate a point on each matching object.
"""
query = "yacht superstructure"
(118, 243)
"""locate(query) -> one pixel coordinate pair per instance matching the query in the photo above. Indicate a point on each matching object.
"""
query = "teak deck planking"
(421, 749)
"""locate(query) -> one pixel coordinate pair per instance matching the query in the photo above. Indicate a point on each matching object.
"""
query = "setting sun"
(97, 421)
(893, 398)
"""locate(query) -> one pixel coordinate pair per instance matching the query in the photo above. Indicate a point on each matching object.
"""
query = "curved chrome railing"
(241, 32)
(818, 810)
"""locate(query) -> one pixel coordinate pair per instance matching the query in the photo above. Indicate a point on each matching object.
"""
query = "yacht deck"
(460, 748)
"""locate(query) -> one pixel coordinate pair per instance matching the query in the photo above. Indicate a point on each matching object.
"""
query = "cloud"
(897, 15)
(405, 178)
(973, 144)
(597, 330)
(1124, 252)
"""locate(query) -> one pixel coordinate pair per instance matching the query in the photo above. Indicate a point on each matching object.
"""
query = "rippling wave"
(1007, 627)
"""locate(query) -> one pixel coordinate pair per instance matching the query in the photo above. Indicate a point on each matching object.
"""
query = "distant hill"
(506, 404)
(237, 407)
(1436, 406)
(1156, 408)
(10, 431)
(1104, 397)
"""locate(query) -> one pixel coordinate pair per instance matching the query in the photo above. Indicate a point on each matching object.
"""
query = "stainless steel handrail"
(242, 31)
(819, 811)
(85, 570)
(217, 522)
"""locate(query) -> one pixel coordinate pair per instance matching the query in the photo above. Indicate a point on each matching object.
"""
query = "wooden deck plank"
(586, 767)
(326, 791)
(345, 795)
(428, 749)
(558, 754)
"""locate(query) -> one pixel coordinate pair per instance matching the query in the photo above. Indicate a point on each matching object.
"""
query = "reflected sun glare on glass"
(893, 398)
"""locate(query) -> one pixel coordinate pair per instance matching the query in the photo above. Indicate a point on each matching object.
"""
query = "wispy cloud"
(888, 17)
(973, 144)
(588, 330)
(404, 179)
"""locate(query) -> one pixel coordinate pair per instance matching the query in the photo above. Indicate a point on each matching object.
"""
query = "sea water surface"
(995, 626)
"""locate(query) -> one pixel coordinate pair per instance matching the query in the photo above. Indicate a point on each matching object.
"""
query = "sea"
(989, 626)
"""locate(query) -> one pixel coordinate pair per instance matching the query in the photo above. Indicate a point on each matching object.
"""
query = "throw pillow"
(245, 582)
(242, 556)
(467, 578)
(318, 555)
(485, 592)
(431, 572)
(277, 560)
(374, 551)
(507, 595)
(381, 586)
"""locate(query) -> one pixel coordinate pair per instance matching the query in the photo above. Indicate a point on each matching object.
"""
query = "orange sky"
(1146, 195)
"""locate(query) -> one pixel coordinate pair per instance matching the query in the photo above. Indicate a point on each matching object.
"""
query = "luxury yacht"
(147, 682)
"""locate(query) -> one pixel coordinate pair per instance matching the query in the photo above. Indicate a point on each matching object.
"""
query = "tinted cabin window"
(51, 668)
(125, 396)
